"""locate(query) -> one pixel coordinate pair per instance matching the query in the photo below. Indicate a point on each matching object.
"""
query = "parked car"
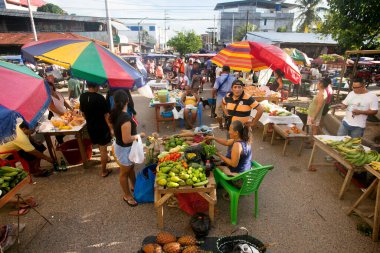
(15, 59)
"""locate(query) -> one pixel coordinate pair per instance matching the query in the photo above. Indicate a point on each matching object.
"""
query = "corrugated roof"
(277, 37)
(260, 4)
(52, 16)
(37, 3)
(19, 39)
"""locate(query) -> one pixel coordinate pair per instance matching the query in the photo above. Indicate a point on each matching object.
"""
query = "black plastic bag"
(200, 224)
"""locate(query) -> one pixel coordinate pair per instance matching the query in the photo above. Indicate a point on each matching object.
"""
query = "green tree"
(51, 8)
(310, 14)
(186, 42)
(242, 31)
(354, 24)
(281, 29)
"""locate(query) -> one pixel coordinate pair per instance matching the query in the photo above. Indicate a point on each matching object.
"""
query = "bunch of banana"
(375, 165)
(347, 143)
(359, 158)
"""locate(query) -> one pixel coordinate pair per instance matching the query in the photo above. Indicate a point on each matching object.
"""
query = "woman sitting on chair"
(239, 153)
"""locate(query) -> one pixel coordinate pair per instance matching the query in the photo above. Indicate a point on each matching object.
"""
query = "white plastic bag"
(180, 114)
(175, 113)
(137, 151)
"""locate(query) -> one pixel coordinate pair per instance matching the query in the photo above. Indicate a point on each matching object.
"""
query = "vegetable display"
(10, 177)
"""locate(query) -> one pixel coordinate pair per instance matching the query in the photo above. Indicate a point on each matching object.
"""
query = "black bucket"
(228, 243)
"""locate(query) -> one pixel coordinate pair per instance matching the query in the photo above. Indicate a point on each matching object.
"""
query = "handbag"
(144, 185)
(137, 151)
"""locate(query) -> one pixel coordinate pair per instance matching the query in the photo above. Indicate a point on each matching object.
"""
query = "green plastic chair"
(251, 183)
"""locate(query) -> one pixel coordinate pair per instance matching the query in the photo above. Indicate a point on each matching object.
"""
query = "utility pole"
(246, 24)
(32, 21)
(214, 35)
(138, 24)
(109, 27)
(165, 28)
(232, 30)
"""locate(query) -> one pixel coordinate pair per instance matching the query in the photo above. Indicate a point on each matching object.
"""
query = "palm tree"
(310, 14)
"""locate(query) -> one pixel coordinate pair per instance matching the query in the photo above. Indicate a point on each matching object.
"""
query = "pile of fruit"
(375, 165)
(293, 130)
(352, 150)
(175, 174)
(301, 110)
(166, 156)
(174, 142)
(10, 177)
(280, 113)
(68, 120)
(166, 242)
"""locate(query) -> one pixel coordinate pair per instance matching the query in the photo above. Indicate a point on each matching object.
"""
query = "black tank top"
(123, 118)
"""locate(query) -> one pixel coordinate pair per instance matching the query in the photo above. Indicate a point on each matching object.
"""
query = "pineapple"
(191, 249)
(152, 248)
(172, 247)
(165, 237)
(187, 240)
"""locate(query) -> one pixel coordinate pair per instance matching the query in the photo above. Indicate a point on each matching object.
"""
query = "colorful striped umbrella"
(238, 57)
(87, 60)
(275, 58)
(23, 94)
(298, 56)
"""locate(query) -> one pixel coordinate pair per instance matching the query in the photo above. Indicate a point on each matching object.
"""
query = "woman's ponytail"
(244, 131)
(120, 98)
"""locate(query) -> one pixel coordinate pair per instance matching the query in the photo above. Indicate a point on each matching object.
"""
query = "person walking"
(125, 131)
(360, 103)
(221, 87)
(96, 112)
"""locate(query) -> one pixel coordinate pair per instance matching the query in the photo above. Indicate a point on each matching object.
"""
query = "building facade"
(267, 16)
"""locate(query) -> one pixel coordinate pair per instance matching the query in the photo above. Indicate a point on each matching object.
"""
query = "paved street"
(299, 210)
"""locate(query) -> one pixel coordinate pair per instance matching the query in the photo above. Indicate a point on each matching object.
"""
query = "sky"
(153, 10)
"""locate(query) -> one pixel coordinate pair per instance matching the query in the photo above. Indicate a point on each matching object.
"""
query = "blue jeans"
(352, 131)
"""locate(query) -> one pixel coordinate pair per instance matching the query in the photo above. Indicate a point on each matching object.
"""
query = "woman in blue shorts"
(125, 131)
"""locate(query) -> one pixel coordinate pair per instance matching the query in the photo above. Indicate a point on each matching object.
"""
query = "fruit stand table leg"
(157, 109)
(273, 135)
(312, 155)
(265, 129)
(363, 196)
(211, 202)
(376, 223)
(347, 180)
(285, 145)
(50, 147)
(159, 204)
(301, 147)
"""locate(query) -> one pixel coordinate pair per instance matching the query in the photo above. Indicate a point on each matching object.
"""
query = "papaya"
(162, 182)
(201, 183)
(172, 185)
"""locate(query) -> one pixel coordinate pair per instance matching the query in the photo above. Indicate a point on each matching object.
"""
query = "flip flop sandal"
(20, 212)
(131, 204)
(107, 174)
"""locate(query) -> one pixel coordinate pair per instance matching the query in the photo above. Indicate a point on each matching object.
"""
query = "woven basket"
(227, 243)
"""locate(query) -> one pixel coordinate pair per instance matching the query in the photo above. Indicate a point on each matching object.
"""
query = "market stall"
(274, 114)
(347, 151)
(185, 166)
(263, 93)
(71, 123)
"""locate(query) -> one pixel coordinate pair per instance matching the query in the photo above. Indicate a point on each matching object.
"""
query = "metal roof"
(51, 16)
(265, 4)
(19, 39)
(279, 37)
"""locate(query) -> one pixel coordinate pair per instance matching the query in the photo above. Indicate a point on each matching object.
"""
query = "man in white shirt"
(359, 104)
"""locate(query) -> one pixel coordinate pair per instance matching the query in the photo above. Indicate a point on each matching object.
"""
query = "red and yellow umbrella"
(238, 57)
(86, 60)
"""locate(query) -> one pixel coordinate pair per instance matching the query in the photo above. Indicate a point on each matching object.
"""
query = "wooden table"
(280, 130)
(77, 131)
(161, 195)
(334, 154)
(373, 219)
(159, 118)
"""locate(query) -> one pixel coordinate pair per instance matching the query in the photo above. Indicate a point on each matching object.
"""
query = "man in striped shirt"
(243, 103)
